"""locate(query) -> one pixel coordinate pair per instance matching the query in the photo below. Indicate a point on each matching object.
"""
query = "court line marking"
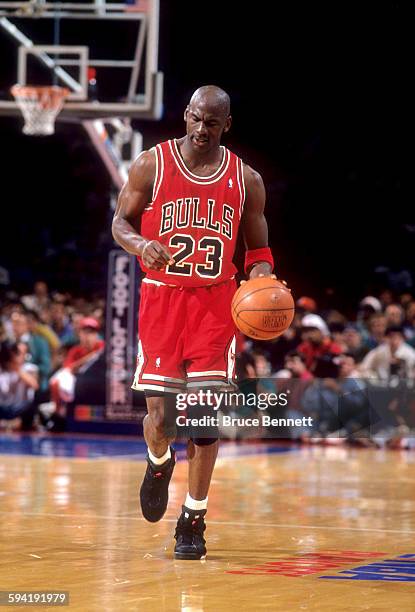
(139, 518)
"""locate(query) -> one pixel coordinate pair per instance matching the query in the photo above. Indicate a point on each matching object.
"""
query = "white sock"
(159, 460)
(195, 504)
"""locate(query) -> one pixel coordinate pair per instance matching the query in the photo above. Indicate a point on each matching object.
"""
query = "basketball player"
(180, 212)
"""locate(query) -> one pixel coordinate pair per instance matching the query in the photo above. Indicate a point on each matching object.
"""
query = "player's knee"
(204, 441)
(160, 417)
(157, 420)
(204, 429)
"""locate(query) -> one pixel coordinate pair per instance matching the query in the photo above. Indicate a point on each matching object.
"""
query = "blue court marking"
(99, 447)
(398, 569)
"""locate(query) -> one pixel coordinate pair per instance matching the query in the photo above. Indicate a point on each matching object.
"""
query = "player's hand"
(156, 256)
(261, 269)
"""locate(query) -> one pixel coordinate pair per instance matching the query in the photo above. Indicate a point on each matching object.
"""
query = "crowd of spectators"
(332, 363)
(355, 376)
(46, 339)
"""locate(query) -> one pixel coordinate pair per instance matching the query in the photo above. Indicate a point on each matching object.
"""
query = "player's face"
(205, 126)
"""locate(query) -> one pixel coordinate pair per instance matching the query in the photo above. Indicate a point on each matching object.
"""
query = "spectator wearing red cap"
(89, 342)
(62, 383)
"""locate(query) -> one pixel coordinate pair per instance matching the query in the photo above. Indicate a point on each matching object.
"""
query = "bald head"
(212, 97)
(207, 118)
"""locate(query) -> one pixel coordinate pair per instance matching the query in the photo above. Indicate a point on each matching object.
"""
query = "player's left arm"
(254, 226)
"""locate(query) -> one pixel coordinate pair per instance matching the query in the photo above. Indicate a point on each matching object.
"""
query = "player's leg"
(202, 458)
(190, 541)
(213, 342)
(159, 433)
(160, 375)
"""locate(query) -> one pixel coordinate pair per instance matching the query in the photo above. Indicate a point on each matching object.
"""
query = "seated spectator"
(46, 316)
(316, 342)
(367, 308)
(336, 329)
(59, 319)
(18, 384)
(80, 356)
(39, 299)
(263, 372)
(393, 358)
(409, 324)
(261, 364)
(295, 364)
(405, 299)
(338, 405)
(36, 327)
(72, 338)
(89, 343)
(294, 379)
(376, 331)
(394, 314)
(335, 317)
(353, 341)
(348, 366)
(38, 348)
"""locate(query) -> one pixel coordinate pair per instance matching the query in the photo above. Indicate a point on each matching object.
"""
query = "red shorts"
(186, 337)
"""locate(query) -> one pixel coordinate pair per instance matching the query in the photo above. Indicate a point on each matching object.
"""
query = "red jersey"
(196, 217)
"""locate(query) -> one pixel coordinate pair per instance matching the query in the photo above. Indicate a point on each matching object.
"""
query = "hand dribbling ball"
(263, 308)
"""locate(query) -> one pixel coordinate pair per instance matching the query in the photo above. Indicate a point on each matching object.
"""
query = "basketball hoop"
(39, 106)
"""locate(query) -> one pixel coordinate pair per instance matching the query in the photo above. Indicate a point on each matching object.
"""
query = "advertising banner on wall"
(121, 334)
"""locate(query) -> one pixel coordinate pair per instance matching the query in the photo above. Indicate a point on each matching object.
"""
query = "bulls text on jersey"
(184, 213)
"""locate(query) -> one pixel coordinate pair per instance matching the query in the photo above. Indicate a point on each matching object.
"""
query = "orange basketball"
(263, 308)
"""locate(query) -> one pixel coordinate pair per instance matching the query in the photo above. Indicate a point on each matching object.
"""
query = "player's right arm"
(135, 195)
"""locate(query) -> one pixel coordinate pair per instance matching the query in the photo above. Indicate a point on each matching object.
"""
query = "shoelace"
(155, 477)
(197, 526)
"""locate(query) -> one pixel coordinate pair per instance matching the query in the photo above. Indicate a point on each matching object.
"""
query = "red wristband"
(258, 255)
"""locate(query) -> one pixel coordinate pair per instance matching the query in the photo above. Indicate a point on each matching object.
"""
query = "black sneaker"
(190, 543)
(154, 492)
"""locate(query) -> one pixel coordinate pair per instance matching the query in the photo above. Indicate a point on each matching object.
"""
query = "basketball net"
(40, 107)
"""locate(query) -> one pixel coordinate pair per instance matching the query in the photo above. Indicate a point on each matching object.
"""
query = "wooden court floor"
(285, 532)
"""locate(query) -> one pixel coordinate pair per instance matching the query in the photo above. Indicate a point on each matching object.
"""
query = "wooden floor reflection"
(74, 525)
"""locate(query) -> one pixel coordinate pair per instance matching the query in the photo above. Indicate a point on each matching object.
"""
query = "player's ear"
(185, 113)
(228, 124)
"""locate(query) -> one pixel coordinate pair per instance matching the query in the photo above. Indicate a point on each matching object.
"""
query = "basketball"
(263, 308)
